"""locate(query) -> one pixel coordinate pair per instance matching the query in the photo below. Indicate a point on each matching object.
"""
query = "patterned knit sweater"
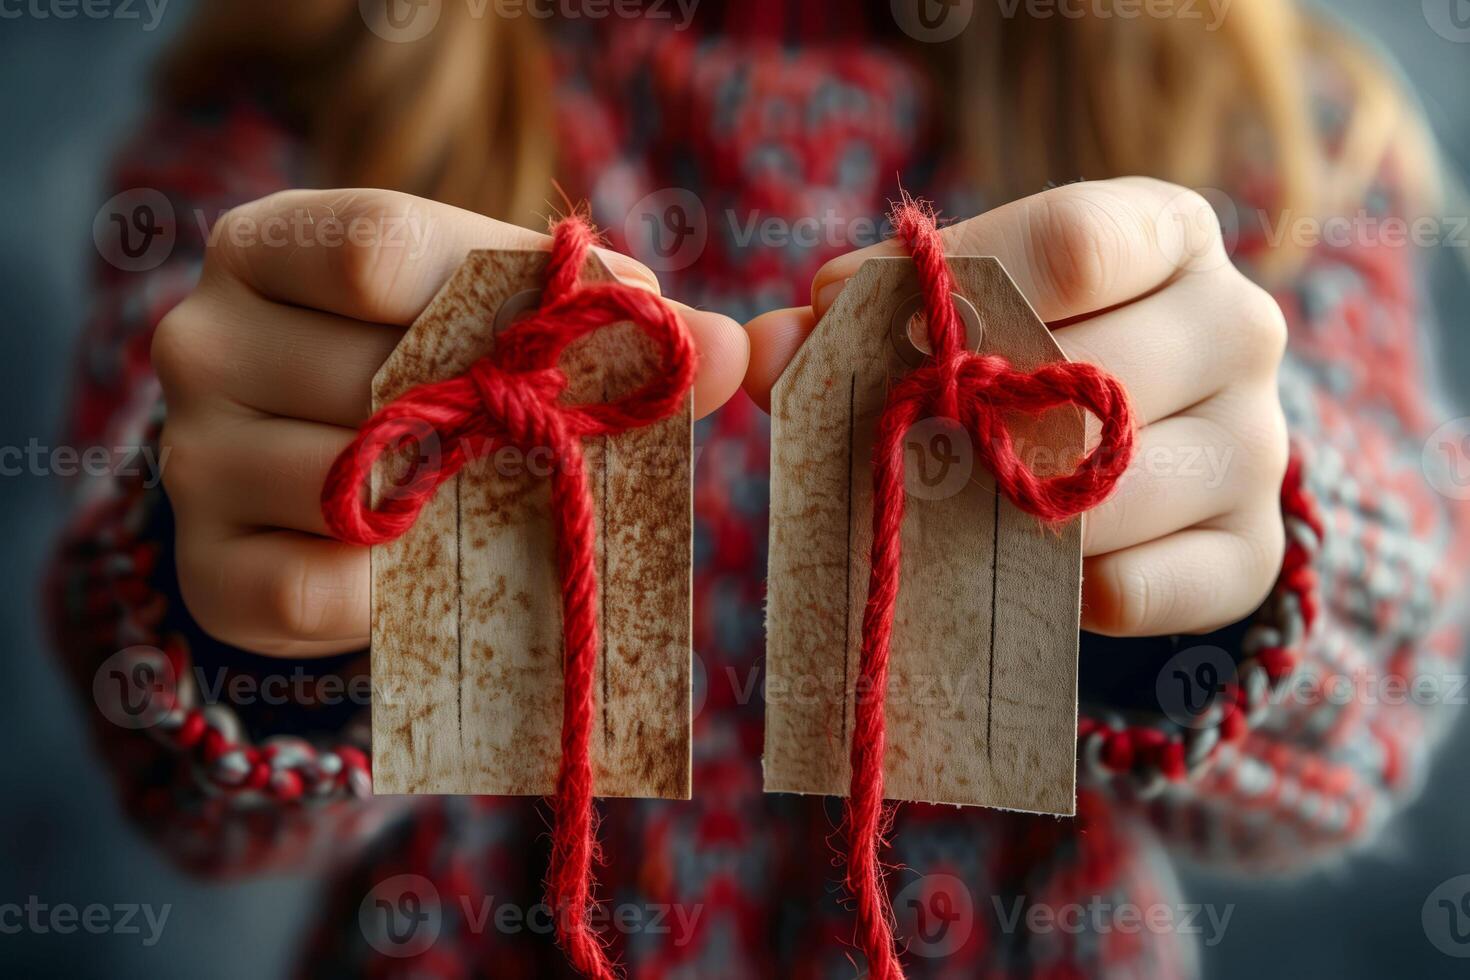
(1268, 773)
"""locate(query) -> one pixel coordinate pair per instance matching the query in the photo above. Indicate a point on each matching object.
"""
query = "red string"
(511, 397)
(977, 391)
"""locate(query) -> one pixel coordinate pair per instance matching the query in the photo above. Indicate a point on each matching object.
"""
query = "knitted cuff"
(126, 636)
(1150, 747)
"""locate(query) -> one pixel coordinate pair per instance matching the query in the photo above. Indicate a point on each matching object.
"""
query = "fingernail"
(827, 295)
(630, 271)
(710, 320)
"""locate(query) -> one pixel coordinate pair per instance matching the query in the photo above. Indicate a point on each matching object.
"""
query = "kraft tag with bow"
(468, 610)
(980, 695)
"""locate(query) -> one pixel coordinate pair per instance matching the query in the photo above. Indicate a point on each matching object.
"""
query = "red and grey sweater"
(1273, 773)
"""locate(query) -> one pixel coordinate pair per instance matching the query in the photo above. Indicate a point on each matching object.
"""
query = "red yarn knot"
(978, 391)
(512, 397)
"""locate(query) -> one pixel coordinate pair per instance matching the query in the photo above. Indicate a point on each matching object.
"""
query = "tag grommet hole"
(910, 333)
(516, 306)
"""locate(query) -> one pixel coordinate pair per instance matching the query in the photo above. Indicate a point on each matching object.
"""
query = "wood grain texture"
(982, 703)
(466, 633)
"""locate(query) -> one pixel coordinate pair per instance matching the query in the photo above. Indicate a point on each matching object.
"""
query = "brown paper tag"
(982, 701)
(466, 633)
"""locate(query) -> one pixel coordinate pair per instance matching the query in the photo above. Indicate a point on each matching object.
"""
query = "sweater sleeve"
(1284, 740)
(231, 762)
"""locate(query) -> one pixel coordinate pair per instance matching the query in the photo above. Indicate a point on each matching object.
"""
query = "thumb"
(775, 337)
(724, 351)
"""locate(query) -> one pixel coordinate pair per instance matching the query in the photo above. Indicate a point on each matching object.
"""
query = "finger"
(1172, 350)
(372, 255)
(266, 473)
(1075, 249)
(1185, 471)
(1182, 345)
(271, 358)
(1192, 582)
(305, 364)
(724, 351)
(775, 338)
(279, 592)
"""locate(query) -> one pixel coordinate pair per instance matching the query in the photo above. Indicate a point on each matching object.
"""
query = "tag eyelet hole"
(515, 307)
(910, 335)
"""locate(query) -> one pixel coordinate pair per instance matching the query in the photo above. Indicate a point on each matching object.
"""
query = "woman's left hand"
(1133, 276)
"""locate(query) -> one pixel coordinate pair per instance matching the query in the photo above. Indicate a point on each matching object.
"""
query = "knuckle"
(1262, 433)
(220, 244)
(302, 598)
(1137, 600)
(365, 273)
(289, 607)
(368, 237)
(241, 227)
(175, 352)
(1264, 325)
(1264, 542)
(1107, 521)
(1271, 552)
(1077, 243)
(1276, 450)
(1133, 599)
(1194, 211)
(1188, 227)
(369, 258)
(243, 215)
(186, 474)
(1188, 201)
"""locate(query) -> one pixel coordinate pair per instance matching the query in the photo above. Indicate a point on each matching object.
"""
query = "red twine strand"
(511, 397)
(978, 392)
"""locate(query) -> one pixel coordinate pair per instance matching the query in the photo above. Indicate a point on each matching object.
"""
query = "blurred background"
(69, 91)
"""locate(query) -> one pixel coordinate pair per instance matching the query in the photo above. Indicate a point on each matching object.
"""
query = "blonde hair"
(461, 116)
(1192, 93)
(1197, 94)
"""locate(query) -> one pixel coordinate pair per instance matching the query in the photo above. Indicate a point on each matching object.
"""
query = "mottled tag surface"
(466, 632)
(982, 701)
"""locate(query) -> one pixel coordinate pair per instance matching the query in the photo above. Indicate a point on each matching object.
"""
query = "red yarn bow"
(977, 391)
(511, 397)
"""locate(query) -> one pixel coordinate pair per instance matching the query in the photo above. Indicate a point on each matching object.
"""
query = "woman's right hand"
(266, 371)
